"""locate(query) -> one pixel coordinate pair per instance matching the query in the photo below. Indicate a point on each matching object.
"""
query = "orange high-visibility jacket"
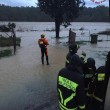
(43, 42)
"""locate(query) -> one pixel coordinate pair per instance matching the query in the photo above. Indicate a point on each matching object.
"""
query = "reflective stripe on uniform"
(61, 108)
(97, 98)
(78, 46)
(82, 107)
(88, 75)
(89, 95)
(67, 83)
(69, 98)
(84, 58)
(61, 95)
(101, 76)
(67, 61)
(65, 108)
(41, 42)
(71, 50)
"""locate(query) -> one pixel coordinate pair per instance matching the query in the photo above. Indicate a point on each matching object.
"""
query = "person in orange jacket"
(43, 42)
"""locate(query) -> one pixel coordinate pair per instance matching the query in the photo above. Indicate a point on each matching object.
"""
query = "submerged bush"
(5, 53)
(4, 41)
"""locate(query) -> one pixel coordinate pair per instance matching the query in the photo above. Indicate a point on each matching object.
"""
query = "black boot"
(47, 60)
(42, 60)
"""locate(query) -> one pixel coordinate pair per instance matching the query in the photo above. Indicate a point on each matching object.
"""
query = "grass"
(81, 42)
(105, 32)
(5, 53)
(4, 41)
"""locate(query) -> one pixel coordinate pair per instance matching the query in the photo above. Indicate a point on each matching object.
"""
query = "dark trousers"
(44, 51)
(95, 105)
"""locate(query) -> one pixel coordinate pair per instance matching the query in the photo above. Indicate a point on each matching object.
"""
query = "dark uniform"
(72, 50)
(97, 89)
(43, 45)
(70, 86)
(107, 72)
(101, 83)
(89, 70)
(98, 86)
(107, 65)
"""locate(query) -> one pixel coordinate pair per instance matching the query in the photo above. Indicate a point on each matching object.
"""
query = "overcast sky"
(89, 3)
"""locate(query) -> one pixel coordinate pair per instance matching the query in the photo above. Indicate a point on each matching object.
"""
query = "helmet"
(73, 48)
(42, 35)
(90, 62)
(75, 63)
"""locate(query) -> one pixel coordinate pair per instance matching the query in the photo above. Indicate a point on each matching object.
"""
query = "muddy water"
(26, 84)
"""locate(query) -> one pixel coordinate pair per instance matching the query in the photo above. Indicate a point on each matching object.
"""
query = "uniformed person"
(103, 74)
(43, 45)
(97, 89)
(99, 92)
(70, 86)
(107, 71)
(107, 65)
(89, 69)
(73, 48)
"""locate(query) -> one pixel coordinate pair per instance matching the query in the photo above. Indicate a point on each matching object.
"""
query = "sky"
(30, 3)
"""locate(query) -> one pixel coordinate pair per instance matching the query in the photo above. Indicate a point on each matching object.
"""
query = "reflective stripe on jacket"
(98, 85)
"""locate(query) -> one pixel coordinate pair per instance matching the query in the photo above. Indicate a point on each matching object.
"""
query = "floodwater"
(26, 84)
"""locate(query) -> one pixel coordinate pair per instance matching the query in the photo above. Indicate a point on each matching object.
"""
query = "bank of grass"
(4, 53)
(105, 32)
(82, 42)
(5, 42)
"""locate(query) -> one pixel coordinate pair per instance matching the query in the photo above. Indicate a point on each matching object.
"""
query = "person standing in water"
(43, 42)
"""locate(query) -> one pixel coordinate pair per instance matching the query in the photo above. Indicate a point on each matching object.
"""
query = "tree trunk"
(57, 27)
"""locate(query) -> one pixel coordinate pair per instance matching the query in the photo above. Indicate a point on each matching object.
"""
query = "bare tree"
(63, 11)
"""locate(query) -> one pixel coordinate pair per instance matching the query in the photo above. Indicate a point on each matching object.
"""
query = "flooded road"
(26, 84)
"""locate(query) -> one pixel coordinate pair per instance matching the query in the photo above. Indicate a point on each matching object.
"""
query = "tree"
(63, 11)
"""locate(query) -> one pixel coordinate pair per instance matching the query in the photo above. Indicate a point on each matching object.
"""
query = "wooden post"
(72, 36)
(12, 26)
(14, 40)
(89, 36)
